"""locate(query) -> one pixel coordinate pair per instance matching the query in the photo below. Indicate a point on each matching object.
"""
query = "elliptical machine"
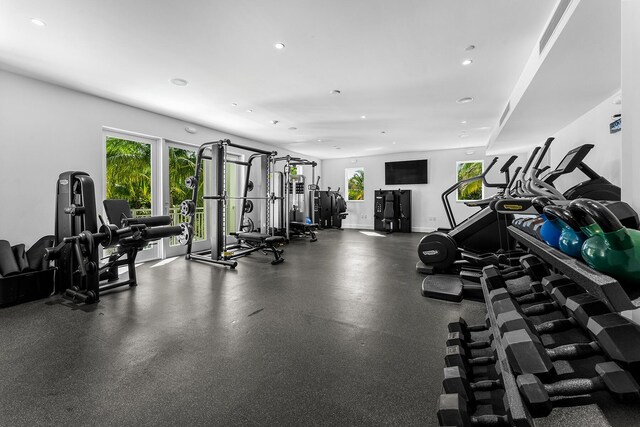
(483, 232)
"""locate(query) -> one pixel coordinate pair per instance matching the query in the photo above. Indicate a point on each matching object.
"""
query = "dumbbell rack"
(519, 414)
(596, 283)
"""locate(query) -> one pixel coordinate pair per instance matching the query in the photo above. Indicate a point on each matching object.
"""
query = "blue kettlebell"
(571, 237)
(551, 228)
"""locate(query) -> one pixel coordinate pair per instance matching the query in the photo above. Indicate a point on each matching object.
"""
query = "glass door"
(131, 175)
(179, 163)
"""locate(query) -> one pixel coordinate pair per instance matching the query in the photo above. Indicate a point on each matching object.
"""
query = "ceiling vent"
(504, 114)
(553, 23)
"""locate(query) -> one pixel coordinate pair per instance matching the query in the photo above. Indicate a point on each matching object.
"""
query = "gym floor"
(336, 335)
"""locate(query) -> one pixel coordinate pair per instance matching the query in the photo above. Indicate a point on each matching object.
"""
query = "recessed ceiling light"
(274, 122)
(38, 22)
(464, 100)
(279, 45)
(470, 47)
(467, 61)
(335, 92)
(179, 82)
(394, 143)
(191, 130)
(319, 140)
(363, 117)
(293, 128)
(234, 104)
(249, 111)
(470, 152)
(464, 122)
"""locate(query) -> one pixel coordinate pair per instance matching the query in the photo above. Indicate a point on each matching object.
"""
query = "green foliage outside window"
(471, 190)
(355, 184)
(129, 173)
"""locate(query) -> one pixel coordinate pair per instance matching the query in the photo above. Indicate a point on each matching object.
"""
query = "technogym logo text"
(431, 252)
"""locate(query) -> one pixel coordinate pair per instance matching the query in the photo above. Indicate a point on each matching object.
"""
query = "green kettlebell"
(613, 249)
(572, 237)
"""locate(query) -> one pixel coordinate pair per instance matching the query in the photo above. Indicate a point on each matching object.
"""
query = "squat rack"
(220, 250)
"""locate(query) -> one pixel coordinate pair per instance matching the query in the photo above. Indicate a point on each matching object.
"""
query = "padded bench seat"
(266, 241)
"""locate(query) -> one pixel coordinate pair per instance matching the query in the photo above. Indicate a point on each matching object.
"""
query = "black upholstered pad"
(8, 264)
(35, 254)
(20, 256)
(253, 236)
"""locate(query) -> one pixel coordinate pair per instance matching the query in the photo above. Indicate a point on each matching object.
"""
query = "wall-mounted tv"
(407, 172)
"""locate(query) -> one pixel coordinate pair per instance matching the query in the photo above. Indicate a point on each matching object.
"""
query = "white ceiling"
(397, 62)
(581, 69)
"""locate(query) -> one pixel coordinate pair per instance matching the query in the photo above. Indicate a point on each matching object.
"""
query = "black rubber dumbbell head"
(456, 356)
(453, 411)
(456, 381)
(457, 338)
(619, 338)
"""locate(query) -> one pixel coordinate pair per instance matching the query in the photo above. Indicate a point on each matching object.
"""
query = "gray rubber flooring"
(336, 335)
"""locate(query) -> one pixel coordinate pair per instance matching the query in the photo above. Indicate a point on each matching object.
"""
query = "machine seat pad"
(253, 236)
(274, 239)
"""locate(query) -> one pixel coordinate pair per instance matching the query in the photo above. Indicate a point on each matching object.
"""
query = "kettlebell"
(571, 237)
(550, 230)
(614, 250)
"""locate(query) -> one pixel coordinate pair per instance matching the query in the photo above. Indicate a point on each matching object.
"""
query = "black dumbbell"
(456, 381)
(527, 355)
(610, 377)
(454, 411)
(456, 338)
(582, 308)
(619, 339)
(529, 265)
(456, 356)
(539, 289)
(465, 330)
(615, 336)
(502, 301)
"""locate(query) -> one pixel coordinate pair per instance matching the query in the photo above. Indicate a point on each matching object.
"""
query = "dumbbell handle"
(484, 360)
(553, 326)
(538, 309)
(575, 387)
(532, 297)
(486, 385)
(490, 420)
(574, 351)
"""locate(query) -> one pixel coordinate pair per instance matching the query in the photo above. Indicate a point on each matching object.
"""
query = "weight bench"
(302, 228)
(263, 242)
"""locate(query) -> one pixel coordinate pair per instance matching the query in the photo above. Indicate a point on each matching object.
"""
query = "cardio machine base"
(451, 288)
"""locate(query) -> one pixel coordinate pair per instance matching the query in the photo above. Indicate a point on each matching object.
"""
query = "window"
(472, 190)
(354, 184)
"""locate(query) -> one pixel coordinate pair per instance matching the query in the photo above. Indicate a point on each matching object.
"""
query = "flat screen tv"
(407, 172)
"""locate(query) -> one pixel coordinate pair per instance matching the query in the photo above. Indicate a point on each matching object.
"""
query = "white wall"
(631, 102)
(591, 128)
(46, 129)
(427, 210)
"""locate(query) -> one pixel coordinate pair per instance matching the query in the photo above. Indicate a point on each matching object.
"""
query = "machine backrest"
(389, 211)
(116, 209)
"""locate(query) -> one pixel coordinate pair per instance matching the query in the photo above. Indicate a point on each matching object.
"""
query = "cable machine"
(247, 242)
(293, 206)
